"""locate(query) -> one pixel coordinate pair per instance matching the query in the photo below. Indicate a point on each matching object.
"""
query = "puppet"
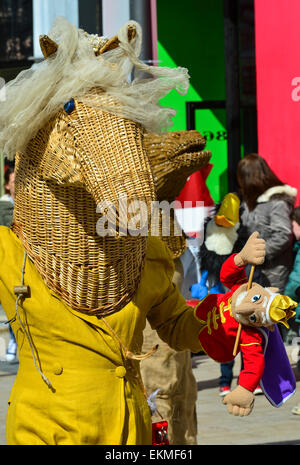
(257, 310)
(221, 239)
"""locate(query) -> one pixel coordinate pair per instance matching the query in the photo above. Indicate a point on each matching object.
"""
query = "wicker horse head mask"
(79, 143)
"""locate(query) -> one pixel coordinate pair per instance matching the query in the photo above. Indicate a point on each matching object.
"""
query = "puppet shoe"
(258, 391)
(296, 409)
(224, 390)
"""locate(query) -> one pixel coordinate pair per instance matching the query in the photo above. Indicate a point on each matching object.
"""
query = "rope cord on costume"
(130, 356)
(20, 296)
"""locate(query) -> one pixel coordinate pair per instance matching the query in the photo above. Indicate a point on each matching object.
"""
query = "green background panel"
(191, 35)
(208, 123)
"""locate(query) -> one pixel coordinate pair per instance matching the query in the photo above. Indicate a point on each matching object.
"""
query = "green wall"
(191, 35)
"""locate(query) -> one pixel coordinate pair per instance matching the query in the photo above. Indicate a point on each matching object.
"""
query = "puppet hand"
(198, 291)
(253, 252)
(239, 402)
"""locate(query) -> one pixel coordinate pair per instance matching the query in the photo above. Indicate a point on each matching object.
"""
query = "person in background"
(6, 216)
(267, 207)
(7, 200)
(292, 288)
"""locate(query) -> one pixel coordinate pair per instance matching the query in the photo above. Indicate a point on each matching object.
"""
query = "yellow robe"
(96, 397)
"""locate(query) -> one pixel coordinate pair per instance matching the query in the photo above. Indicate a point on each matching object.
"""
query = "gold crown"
(96, 41)
(281, 309)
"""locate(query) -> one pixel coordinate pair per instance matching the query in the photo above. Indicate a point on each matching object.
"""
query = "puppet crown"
(280, 309)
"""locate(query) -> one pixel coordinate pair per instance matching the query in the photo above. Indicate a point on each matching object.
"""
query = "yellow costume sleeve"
(171, 317)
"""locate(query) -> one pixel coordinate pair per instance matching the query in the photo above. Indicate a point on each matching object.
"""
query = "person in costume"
(254, 309)
(78, 279)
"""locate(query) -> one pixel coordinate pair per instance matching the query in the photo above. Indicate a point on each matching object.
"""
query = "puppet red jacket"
(219, 330)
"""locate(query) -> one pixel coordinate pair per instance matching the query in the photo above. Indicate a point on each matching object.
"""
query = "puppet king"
(258, 310)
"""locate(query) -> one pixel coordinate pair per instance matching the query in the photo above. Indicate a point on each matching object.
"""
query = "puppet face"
(250, 307)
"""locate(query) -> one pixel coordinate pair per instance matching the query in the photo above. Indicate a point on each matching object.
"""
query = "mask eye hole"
(69, 106)
(252, 318)
(255, 298)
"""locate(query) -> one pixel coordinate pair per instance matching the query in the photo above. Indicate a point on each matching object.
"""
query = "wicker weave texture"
(175, 242)
(174, 156)
(73, 163)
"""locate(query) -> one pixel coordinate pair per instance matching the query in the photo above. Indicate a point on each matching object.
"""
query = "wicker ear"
(48, 46)
(114, 41)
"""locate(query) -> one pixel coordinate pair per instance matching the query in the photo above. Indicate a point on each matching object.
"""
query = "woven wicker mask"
(76, 161)
(174, 156)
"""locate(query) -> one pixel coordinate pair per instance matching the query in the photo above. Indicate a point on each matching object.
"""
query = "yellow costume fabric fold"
(96, 398)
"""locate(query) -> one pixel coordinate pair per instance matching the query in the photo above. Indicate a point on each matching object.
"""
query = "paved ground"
(265, 425)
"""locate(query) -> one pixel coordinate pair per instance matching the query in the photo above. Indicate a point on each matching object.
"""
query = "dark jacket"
(271, 217)
(6, 212)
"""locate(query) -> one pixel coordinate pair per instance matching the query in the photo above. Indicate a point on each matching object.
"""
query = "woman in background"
(267, 207)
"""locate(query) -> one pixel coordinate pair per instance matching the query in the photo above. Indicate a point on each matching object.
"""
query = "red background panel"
(277, 43)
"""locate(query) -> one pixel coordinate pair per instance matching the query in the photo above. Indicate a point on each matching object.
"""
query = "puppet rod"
(240, 326)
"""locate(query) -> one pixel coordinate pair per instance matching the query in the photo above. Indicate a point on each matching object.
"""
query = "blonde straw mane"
(38, 93)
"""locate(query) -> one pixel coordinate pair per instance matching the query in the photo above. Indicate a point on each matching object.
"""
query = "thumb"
(254, 235)
(226, 400)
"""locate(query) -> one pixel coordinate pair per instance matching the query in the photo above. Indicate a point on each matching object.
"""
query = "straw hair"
(71, 71)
